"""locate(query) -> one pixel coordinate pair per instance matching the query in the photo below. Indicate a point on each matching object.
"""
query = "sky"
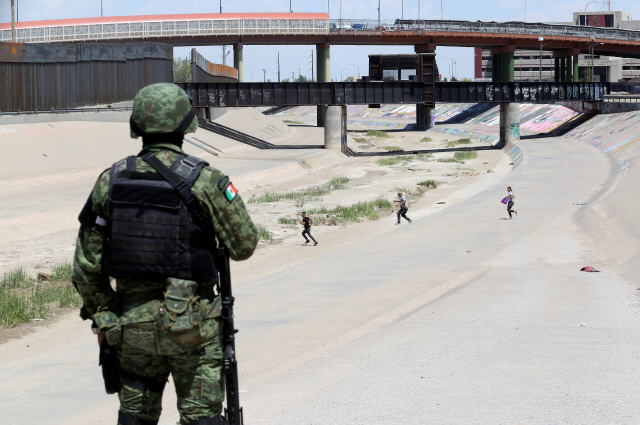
(345, 60)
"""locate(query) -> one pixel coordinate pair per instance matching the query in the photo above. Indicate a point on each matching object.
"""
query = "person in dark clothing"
(307, 222)
(510, 197)
(404, 207)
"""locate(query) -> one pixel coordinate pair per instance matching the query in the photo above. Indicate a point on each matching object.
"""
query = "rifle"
(233, 411)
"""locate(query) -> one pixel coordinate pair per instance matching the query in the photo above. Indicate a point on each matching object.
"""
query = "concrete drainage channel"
(250, 140)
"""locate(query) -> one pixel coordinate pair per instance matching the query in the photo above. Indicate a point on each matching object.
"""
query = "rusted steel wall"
(37, 77)
(203, 71)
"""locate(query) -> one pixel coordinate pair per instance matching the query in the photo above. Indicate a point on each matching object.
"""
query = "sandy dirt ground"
(460, 317)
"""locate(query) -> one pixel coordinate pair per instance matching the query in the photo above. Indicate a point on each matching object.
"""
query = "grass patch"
(361, 140)
(377, 133)
(363, 210)
(417, 192)
(449, 160)
(405, 159)
(61, 272)
(291, 122)
(16, 278)
(426, 140)
(458, 142)
(22, 299)
(287, 221)
(429, 183)
(265, 235)
(301, 196)
(392, 148)
(466, 155)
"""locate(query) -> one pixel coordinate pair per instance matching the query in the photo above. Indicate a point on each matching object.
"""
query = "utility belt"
(181, 306)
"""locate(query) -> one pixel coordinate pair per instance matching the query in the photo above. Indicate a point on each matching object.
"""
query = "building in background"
(606, 68)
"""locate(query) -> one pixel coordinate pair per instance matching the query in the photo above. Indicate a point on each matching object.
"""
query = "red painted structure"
(465, 35)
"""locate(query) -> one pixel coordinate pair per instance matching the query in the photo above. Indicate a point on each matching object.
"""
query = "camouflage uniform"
(148, 351)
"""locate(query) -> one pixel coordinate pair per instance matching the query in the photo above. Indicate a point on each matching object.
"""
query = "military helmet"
(160, 109)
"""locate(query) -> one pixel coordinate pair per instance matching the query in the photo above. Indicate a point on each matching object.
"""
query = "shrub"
(466, 155)
(429, 183)
(377, 133)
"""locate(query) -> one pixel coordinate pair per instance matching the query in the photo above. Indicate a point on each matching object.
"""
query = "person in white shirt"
(404, 207)
(510, 197)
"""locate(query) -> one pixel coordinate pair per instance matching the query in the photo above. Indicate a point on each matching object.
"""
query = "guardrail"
(135, 30)
(351, 25)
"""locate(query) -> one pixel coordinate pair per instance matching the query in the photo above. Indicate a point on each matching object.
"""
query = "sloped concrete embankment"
(611, 221)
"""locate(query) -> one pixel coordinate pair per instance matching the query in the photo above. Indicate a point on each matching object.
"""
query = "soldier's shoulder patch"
(231, 192)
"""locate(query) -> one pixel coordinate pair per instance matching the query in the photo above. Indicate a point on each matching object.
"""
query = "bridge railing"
(350, 25)
(129, 30)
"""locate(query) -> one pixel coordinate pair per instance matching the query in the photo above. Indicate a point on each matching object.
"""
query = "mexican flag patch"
(231, 192)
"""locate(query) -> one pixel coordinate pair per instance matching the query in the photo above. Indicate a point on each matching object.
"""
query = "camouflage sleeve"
(230, 219)
(88, 277)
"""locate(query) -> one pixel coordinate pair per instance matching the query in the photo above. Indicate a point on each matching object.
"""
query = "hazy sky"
(343, 58)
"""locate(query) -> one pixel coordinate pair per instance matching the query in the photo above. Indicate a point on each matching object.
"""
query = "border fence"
(39, 77)
(203, 71)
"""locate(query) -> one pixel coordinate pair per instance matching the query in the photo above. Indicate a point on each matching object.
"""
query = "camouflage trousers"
(193, 358)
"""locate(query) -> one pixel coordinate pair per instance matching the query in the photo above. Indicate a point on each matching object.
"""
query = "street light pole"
(358, 69)
(540, 39)
(378, 13)
(586, 20)
(290, 8)
(264, 75)
(341, 79)
(220, 6)
(13, 22)
(418, 13)
(340, 15)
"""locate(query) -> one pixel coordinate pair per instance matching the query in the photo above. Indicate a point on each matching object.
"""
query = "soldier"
(164, 316)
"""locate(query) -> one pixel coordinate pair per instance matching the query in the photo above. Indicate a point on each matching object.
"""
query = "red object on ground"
(588, 269)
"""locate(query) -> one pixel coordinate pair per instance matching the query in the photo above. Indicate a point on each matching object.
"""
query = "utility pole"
(13, 22)
(312, 65)
(278, 66)
(418, 13)
(293, 76)
(298, 71)
(441, 10)
(378, 13)
(264, 75)
(220, 6)
(101, 12)
(224, 54)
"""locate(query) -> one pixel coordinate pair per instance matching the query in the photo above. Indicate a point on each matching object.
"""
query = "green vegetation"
(377, 133)
(182, 70)
(287, 221)
(466, 155)
(395, 160)
(363, 210)
(291, 122)
(22, 299)
(458, 142)
(429, 183)
(426, 140)
(449, 160)
(336, 183)
(360, 140)
(61, 272)
(392, 148)
(265, 235)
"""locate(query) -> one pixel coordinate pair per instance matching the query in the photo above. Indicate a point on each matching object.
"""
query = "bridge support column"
(324, 76)
(423, 116)
(576, 72)
(509, 123)
(335, 127)
(556, 70)
(563, 69)
(569, 76)
(238, 62)
(507, 65)
(496, 67)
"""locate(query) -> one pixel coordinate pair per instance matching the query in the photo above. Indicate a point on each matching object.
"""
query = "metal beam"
(303, 94)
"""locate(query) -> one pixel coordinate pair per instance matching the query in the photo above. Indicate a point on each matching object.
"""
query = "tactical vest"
(149, 234)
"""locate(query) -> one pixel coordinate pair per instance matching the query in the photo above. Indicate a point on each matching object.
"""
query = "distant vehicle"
(359, 26)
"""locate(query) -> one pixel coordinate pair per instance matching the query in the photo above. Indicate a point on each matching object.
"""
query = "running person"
(404, 207)
(510, 197)
(307, 222)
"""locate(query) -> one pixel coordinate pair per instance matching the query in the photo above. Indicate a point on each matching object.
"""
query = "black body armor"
(150, 235)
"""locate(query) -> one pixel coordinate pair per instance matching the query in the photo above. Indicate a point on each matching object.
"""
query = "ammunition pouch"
(107, 322)
(183, 307)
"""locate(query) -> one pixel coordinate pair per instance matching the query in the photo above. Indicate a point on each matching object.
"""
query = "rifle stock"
(233, 411)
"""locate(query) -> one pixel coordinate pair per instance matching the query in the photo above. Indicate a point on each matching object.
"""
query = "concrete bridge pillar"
(324, 75)
(563, 69)
(238, 62)
(569, 76)
(335, 127)
(556, 70)
(509, 123)
(576, 72)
